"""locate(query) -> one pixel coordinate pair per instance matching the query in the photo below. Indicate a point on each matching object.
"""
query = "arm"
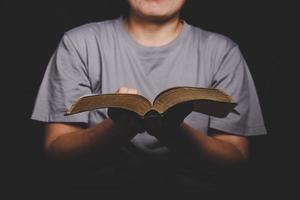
(71, 142)
(217, 148)
(220, 148)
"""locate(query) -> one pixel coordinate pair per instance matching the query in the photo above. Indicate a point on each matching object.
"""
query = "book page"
(132, 102)
(205, 100)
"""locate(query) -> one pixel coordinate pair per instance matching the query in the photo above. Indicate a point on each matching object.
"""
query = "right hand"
(126, 120)
(169, 124)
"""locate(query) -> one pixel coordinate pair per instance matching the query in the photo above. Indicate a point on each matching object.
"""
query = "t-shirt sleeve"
(65, 80)
(233, 76)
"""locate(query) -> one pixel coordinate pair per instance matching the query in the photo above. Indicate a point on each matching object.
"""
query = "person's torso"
(114, 60)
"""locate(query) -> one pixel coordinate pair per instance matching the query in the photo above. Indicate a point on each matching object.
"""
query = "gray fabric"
(101, 57)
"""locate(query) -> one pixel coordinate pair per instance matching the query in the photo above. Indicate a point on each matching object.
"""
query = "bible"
(208, 101)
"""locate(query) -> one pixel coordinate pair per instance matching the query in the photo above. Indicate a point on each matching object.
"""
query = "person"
(149, 50)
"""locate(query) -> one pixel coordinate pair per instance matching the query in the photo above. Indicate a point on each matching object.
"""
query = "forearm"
(102, 138)
(200, 146)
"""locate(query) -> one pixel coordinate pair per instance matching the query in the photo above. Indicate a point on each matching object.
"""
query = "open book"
(208, 101)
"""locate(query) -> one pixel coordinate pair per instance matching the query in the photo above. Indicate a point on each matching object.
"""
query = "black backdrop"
(31, 30)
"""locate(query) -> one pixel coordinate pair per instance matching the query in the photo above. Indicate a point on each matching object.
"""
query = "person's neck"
(153, 33)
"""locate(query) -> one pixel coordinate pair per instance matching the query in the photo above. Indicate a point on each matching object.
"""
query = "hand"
(170, 122)
(174, 116)
(126, 120)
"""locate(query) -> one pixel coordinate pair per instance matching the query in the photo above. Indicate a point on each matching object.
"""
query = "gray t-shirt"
(101, 57)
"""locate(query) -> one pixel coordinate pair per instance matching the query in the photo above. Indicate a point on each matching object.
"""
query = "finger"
(132, 91)
(122, 90)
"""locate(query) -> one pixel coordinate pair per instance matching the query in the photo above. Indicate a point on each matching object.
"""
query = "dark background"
(31, 30)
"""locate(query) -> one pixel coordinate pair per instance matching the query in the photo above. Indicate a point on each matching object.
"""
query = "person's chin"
(158, 17)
